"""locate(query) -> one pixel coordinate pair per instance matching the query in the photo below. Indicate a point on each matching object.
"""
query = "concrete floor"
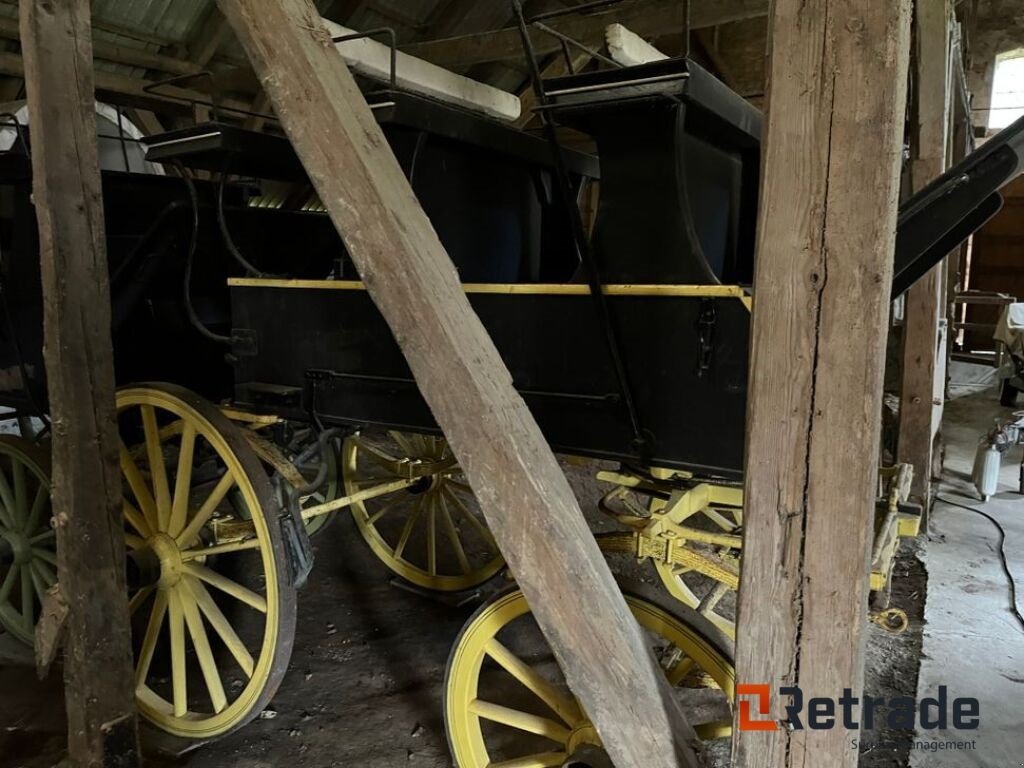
(972, 643)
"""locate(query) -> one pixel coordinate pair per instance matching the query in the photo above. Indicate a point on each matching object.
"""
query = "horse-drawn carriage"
(289, 399)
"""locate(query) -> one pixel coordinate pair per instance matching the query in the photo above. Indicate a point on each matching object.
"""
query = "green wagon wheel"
(28, 543)
(431, 532)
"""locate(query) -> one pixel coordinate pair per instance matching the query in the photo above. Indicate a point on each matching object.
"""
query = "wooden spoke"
(46, 555)
(377, 455)
(720, 520)
(381, 512)
(7, 506)
(460, 485)
(38, 504)
(134, 542)
(136, 519)
(139, 598)
(680, 670)
(431, 535)
(472, 519)
(227, 586)
(27, 603)
(46, 535)
(44, 570)
(221, 626)
(20, 492)
(38, 583)
(179, 673)
(157, 468)
(139, 488)
(150, 638)
(563, 706)
(204, 653)
(8, 584)
(713, 598)
(244, 545)
(403, 442)
(521, 721)
(205, 512)
(182, 481)
(541, 760)
(719, 729)
(453, 535)
(410, 523)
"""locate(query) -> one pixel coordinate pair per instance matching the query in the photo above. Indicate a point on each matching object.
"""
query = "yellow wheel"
(714, 600)
(507, 703)
(212, 603)
(28, 545)
(703, 520)
(430, 531)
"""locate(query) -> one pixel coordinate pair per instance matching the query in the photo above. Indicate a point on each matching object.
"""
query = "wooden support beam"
(921, 392)
(647, 18)
(528, 503)
(372, 59)
(837, 95)
(120, 54)
(99, 687)
(211, 36)
(130, 91)
(463, 17)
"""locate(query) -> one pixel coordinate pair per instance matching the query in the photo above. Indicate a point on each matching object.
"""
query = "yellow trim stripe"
(550, 289)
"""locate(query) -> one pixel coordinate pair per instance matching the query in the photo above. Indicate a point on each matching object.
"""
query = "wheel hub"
(583, 734)
(169, 556)
(20, 547)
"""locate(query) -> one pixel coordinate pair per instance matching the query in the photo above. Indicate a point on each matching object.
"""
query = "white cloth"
(1010, 333)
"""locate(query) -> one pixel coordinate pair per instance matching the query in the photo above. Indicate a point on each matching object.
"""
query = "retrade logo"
(761, 693)
(853, 713)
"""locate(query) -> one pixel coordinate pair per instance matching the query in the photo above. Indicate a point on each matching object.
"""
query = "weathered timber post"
(528, 503)
(923, 360)
(56, 38)
(836, 99)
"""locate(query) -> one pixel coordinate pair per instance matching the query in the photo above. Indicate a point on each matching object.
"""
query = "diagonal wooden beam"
(647, 18)
(526, 498)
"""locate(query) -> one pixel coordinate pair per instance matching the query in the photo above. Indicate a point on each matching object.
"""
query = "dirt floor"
(365, 683)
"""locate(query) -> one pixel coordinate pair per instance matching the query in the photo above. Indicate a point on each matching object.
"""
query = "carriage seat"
(680, 168)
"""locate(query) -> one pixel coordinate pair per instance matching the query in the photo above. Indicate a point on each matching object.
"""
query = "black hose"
(222, 221)
(1002, 555)
(326, 457)
(193, 318)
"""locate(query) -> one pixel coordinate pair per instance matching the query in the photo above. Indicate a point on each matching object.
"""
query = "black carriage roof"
(210, 145)
(574, 96)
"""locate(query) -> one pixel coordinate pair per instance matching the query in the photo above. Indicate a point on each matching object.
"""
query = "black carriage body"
(674, 235)
(679, 174)
(336, 358)
(149, 230)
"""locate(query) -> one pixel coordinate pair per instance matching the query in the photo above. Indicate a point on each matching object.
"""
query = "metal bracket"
(706, 335)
